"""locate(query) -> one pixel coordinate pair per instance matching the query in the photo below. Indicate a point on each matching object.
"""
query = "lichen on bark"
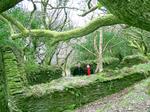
(3, 85)
(7, 4)
(133, 12)
(15, 75)
(107, 20)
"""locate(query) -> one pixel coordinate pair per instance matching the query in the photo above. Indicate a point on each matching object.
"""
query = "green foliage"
(24, 18)
(4, 30)
(99, 5)
(138, 39)
(3, 85)
(81, 51)
(110, 60)
(111, 63)
(133, 60)
(113, 46)
(41, 74)
(117, 46)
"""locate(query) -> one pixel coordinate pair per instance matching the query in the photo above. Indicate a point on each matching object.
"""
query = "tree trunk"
(7, 4)
(15, 73)
(49, 56)
(64, 66)
(133, 12)
(3, 86)
(99, 67)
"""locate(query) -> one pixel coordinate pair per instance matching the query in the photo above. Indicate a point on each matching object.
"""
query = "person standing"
(88, 70)
(78, 71)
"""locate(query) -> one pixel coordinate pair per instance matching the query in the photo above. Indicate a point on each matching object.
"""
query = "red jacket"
(88, 71)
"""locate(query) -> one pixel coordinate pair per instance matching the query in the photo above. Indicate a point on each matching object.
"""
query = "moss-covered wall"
(57, 96)
(134, 60)
(43, 74)
(133, 12)
(3, 86)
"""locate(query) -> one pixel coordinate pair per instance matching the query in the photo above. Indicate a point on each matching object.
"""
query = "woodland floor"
(132, 99)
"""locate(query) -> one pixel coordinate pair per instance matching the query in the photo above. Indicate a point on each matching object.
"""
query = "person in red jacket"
(88, 70)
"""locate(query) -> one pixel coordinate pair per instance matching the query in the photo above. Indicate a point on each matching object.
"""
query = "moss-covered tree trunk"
(16, 77)
(50, 51)
(15, 73)
(6, 4)
(133, 12)
(3, 86)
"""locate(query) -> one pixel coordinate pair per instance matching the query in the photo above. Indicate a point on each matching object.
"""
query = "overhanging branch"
(89, 11)
(7, 4)
(14, 22)
(7, 22)
(78, 32)
(66, 35)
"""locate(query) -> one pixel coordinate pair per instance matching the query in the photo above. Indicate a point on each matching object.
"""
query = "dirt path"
(132, 99)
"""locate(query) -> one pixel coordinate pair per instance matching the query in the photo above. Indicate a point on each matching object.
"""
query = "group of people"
(80, 71)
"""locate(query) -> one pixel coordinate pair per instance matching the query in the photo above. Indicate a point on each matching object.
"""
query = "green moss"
(16, 80)
(7, 4)
(134, 12)
(70, 93)
(3, 86)
(134, 60)
(75, 33)
(43, 74)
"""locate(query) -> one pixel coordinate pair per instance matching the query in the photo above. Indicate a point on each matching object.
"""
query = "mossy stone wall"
(42, 99)
(43, 74)
(134, 60)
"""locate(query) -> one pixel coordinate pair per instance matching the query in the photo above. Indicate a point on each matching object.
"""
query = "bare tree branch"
(89, 11)
(44, 12)
(65, 20)
(89, 4)
(86, 49)
(9, 24)
(95, 43)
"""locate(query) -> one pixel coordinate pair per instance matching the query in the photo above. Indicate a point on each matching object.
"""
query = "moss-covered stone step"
(72, 92)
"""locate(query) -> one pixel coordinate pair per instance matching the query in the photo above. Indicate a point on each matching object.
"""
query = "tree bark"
(133, 12)
(3, 86)
(66, 35)
(7, 4)
(15, 73)
(99, 67)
